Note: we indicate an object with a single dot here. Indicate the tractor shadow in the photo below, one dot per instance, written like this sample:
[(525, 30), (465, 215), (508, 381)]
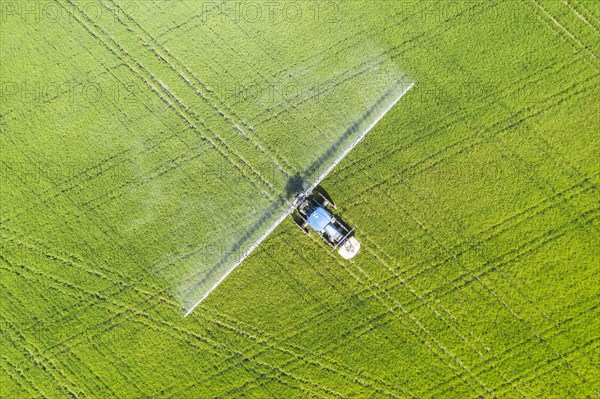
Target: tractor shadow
[(294, 186)]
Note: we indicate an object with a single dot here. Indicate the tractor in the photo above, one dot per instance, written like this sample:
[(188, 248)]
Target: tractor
[(312, 214)]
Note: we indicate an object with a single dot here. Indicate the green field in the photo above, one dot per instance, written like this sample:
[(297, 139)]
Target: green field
[(141, 139)]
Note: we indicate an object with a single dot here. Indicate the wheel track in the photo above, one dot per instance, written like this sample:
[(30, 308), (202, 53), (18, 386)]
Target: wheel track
[(294, 328), (170, 100), (360, 163), (490, 132), (83, 335), (578, 46), (487, 288), (581, 17), (494, 294), (33, 352), (202, 90)]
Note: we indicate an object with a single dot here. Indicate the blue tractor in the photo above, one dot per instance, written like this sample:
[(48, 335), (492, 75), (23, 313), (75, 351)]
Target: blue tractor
[(314, 215)]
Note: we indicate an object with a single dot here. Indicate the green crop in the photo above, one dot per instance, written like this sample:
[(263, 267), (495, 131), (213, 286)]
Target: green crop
[(140, 139)]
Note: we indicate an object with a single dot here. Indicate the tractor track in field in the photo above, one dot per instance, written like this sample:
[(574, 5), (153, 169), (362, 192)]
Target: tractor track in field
[(559, 199), (581, 17), (261, 380), (562, 30), (337, 315), (361, 163), (299, 353), (429, 294), (591, 15), (513, 221), (435, 291), (49, 366), (188, 116), (447, 356), (164, 328), (439, 316), (90, 294), (391, 53), (483, 256), (174, 63), (460, 249), (18, 377), (491, 131), (73, 360), (510, 384), (389, 291)]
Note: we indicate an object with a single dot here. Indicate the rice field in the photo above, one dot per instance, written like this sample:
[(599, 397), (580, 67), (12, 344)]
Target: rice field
[(145, 144)]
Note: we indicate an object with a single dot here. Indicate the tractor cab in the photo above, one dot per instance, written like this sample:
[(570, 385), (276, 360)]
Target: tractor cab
[(322, 222)]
